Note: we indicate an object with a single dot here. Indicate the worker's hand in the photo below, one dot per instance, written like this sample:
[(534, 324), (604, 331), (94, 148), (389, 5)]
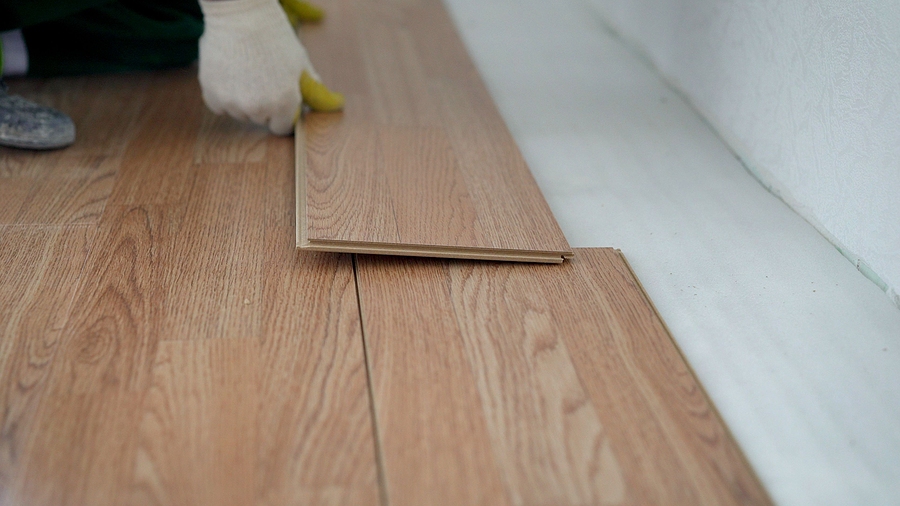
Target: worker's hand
[(251, 63)]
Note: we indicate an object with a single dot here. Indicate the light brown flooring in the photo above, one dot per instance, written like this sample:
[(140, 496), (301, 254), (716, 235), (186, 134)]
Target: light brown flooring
[(163, 342), (549, 385), (420, 161)]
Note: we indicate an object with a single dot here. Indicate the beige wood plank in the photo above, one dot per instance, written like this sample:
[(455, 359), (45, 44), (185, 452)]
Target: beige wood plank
[(212, 265), (544, 430), (406, 151), (563, 377), (205, 359), (419, 162), (223, 139), (41, 270), (350, 177), (57, 188), (158, 163), (278, 420), (315, 438), (196, 437), (278, 414), (397, 84), (244, 421), (434, 438), (424, 251), (82, 438)]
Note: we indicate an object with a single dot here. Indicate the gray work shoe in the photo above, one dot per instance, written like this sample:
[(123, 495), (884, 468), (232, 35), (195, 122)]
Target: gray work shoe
[(25, 124)]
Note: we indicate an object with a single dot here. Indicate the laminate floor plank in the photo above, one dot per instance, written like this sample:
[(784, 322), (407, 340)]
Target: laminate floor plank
[(419, 162), (199, 358), (82, 440), (158, 163), (407, 150), (315, 442), (221, 139), (351, 177), (56, 189), (545, 431), (42, 268), (559, 381), (213, 263), (434, 438), (196, 438)]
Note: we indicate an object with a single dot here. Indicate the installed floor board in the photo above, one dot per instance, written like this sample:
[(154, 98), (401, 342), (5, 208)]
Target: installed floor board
[(315, 438), (420, 162), (164, 342), (496, 383), (41, 269), (175, 347), (158, 163)]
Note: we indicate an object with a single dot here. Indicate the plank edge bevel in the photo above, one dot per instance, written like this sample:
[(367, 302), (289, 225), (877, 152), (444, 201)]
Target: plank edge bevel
[(300, 168), (554, 257)]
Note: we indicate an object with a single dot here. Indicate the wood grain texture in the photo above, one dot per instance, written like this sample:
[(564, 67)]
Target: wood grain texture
[(198, 357), (83, 436), (559, 383), (419, 162), (278, 419), (434, 439), (41, 270), (158, 162), (213, 262), (163, 341), (316, 444)]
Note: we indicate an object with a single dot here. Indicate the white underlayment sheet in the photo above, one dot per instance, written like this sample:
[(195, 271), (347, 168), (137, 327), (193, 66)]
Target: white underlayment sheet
[(799, 352)]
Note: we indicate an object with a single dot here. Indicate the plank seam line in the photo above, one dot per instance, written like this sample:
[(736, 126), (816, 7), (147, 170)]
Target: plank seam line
[(379, 454), (45, 226)]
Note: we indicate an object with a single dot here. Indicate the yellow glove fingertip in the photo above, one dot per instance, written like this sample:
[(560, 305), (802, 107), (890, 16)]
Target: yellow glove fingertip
[(302, 11), (318, 96)]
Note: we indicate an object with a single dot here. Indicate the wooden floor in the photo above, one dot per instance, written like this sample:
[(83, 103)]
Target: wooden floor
[(420, 162), (497, 383), (163, 342)]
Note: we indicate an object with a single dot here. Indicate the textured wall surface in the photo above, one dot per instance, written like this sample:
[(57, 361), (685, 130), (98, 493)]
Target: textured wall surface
[(807, 92)]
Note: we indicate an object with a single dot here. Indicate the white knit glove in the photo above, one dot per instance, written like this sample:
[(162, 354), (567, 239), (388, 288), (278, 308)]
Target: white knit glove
[(251, 61)]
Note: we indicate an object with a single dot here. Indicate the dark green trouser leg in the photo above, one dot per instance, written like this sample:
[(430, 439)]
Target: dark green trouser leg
[(70, 37)]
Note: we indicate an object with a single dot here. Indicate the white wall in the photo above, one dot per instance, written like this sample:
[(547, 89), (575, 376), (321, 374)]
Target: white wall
[(807, 92)]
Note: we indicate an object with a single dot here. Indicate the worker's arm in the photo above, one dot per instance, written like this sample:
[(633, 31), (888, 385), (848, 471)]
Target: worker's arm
[(251, 64)]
